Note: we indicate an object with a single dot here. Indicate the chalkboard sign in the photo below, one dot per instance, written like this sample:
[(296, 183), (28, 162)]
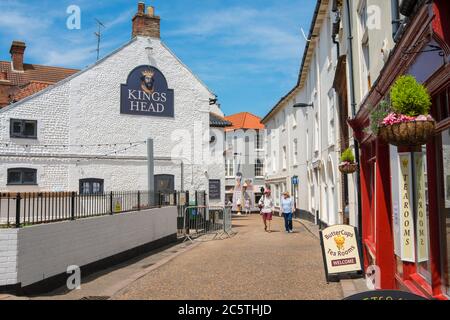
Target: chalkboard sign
[(214, 190)]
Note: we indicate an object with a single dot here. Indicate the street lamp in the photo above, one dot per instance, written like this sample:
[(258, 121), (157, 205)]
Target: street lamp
[(303, 105)]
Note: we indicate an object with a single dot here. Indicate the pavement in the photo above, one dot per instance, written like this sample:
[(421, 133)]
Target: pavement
[(252, 265), (104, 284)]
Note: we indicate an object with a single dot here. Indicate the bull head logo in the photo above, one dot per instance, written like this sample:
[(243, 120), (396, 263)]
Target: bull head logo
[(148, 81)]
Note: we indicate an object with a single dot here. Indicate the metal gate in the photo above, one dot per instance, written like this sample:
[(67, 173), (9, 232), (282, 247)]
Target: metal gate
[(203, 223)]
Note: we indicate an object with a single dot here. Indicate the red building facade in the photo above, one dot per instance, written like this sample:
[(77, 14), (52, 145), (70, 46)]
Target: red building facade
[(419, 264)]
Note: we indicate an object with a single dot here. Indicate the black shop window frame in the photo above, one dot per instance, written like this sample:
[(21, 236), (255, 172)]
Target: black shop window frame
[(91, 183), (22, 177), (23, 129)]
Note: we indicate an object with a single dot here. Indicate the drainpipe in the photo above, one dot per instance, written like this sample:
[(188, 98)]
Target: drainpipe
[(353, 104), (396, 21)]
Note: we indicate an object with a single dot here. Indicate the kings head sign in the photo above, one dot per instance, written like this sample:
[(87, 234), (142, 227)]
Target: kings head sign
[(146, 93)]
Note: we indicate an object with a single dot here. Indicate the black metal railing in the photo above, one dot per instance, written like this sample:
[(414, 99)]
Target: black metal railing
[(22, 209)]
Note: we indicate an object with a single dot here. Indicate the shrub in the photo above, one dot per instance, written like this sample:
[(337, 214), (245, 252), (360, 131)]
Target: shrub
[(410, 97), (377, 116), (347, 156)]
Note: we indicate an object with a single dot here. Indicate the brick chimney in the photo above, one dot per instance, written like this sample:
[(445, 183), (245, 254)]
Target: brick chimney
[(17, 51), (146, 24)]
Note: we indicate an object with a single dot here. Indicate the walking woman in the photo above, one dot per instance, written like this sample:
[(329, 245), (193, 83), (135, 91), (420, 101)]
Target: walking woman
[(287, 206), (266, 203)]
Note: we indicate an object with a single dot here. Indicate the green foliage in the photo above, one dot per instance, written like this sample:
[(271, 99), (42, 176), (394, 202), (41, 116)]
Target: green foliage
[(377, 116), (409, 97), (347, 156)]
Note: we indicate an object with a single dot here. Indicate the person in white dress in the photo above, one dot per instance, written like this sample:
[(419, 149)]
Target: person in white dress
[(267, 209)]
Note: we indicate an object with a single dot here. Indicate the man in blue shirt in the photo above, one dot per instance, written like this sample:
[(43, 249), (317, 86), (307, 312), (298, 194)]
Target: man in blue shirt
[(287, 207)]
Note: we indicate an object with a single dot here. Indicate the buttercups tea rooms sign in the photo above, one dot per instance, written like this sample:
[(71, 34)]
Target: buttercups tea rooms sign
[(146, 93), (340, 249)]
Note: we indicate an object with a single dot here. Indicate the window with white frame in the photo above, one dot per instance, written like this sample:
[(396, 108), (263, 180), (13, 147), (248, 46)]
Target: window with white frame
[(365, 53), (362, 13), (295, 152), (284, 158), (331, 120), (294, 118), (229, 167), (259, 138), (307, 143), (274, 163), (316, 133), (259, 168)]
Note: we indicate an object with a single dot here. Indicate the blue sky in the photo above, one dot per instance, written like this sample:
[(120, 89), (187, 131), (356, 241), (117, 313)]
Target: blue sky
[(247, 51)]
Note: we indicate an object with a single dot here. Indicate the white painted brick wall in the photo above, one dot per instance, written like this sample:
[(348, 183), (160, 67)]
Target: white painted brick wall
[(31, 254), (86, 110), (8, 257)]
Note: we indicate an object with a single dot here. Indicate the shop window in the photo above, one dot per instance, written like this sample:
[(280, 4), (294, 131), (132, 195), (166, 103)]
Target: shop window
[(22, 176), (23, 129), (444, 205), (411, 209), (421, 215), (91, 186)]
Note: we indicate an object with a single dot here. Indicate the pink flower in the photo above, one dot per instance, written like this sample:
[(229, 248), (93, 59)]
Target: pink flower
[(393, 118), (422, 118)]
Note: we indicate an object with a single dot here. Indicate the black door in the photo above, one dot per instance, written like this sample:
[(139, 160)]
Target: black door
[(164, 183), (164, 187)]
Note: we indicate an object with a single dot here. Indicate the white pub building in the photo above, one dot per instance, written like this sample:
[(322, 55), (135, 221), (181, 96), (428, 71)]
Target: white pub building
[(89, 132)]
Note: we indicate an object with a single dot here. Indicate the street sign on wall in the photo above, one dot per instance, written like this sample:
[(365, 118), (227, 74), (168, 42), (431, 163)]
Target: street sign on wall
[(146, 93), (341, 250)]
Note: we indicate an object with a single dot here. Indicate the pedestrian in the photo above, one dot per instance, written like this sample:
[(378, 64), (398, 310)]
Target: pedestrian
[(247, 206), (266, 203), (287, 207), (239, 206)]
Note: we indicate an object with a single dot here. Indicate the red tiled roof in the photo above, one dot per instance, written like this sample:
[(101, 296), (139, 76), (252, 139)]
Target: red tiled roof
[(28, 90), (33, 79), (244, 120), (34, 72)]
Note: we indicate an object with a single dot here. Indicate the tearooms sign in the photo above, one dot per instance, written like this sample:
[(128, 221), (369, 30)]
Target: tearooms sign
[(146, 93), (340, 249)]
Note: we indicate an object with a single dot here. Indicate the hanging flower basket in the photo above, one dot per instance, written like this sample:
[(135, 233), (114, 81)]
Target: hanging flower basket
[(348, 168), (408, 133)]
